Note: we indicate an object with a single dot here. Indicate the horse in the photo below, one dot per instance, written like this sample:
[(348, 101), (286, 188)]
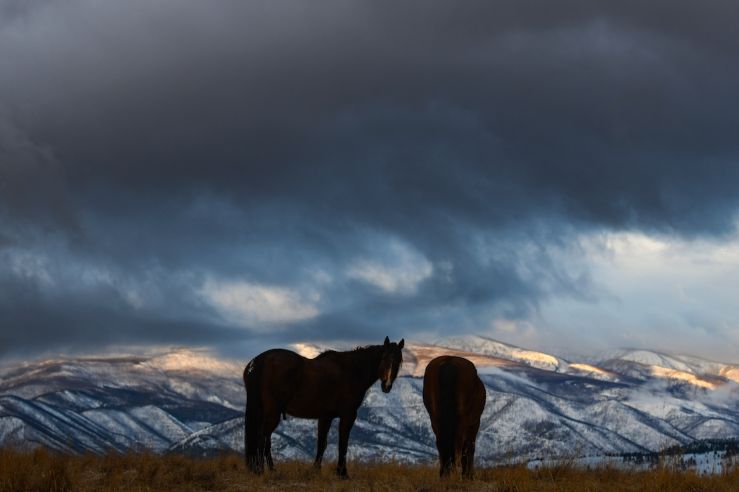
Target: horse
[(454, 397), (331, 385)]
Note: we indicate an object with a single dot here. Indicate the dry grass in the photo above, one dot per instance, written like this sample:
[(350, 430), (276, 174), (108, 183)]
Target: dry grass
[(42, 470)]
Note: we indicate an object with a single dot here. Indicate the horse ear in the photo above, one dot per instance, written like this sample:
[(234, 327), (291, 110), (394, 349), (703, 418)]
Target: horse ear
[(401, 343), (387, 341)]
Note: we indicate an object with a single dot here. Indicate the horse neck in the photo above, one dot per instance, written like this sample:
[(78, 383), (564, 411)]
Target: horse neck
[(364, 362)]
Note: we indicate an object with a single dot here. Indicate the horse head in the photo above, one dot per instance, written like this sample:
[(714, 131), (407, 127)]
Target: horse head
[(392, 358)]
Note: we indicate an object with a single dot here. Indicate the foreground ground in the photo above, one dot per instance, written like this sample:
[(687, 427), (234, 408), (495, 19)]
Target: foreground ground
[(44, 471)]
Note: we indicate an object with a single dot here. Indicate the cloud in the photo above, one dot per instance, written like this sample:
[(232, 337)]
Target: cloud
[(399, 272), (440, 167), (389, 279), (523, 331), (252, 305), (660, 292), (32, 185)]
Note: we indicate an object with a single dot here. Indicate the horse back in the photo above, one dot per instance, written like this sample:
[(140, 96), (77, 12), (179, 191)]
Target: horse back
[(326, 389), (277, 369), (450, 380), (302, 387)]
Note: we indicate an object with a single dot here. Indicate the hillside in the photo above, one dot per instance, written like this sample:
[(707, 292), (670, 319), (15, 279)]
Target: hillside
[(538, 406)]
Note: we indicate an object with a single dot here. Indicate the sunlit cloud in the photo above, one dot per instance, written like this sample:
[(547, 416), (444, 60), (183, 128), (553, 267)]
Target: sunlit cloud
[(257, 306), (400, 271), (656, 291)]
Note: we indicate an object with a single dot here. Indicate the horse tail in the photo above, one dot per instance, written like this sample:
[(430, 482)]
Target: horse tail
[(447, 415), (254, 415)]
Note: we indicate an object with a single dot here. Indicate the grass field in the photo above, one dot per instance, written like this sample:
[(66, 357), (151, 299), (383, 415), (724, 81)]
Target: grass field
[(45, 471)]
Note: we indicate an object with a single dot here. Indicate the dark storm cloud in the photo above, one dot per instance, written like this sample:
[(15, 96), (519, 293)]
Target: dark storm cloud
[(264, 142), (100, 319)]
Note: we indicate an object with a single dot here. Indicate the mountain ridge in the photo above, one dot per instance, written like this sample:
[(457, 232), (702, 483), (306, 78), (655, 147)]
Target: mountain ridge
[(538, 405)]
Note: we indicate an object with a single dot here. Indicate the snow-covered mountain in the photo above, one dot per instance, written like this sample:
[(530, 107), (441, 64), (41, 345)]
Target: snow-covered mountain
[(96, 404), (538, 405)]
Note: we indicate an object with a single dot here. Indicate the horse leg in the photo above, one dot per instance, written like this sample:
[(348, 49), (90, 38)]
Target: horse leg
[(324, 424), (268, 452), (271, 420), (468, 451), (459, 441), (439, 447), (446, 462), (443, 458), (468, 459), (345, 427)]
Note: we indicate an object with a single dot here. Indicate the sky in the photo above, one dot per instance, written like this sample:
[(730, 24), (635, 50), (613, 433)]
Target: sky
[(239, 175)]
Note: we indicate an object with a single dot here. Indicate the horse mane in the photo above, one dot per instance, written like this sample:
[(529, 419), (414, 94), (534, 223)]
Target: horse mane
[(358, 350)]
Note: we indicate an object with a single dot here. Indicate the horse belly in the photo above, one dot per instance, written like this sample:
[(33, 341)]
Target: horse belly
[(312, 405)]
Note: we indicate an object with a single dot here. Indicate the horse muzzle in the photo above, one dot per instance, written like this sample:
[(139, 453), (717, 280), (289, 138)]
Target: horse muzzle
[(386, 387)]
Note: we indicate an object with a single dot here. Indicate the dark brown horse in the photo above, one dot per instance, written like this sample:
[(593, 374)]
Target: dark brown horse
[(332, 385), (454, 397)]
